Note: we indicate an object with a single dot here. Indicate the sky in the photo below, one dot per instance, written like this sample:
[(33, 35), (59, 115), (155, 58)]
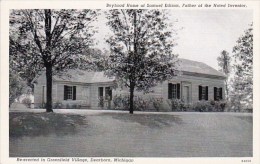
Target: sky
[(202, 34)]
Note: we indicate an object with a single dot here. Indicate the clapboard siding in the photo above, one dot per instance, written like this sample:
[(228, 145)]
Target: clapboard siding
[(161, 90), (91, 99)]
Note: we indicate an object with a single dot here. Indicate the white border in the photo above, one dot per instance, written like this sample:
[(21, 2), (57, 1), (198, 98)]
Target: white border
[(4, 90)]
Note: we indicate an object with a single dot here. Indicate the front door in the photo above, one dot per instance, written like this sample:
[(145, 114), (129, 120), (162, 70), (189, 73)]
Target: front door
[(86, 96), (186, 96)]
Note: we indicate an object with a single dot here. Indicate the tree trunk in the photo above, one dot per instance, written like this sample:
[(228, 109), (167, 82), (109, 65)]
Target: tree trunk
[(49, 88), (132, 85), (131, 100)]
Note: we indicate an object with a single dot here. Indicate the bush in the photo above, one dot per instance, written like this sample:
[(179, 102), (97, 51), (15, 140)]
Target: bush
[(42, 106), (177, 104), (202, 106), (121, 102), (248, 110), (219, 106), (101, 101), (27, 102), (57, 105), (209, 106), (157, 102), (141, 104), (74, 106), (68, 106), (78, 106)]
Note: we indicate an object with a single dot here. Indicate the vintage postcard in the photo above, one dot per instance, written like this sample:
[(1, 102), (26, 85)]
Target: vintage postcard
[(130, 81)]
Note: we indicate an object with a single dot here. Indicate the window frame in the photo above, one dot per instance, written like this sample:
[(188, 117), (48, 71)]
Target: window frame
[(218, 93), (69, 92), (174, 90), (203, 93)]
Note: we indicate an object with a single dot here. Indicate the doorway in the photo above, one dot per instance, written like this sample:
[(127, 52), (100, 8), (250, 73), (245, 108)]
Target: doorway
[(186, 94)]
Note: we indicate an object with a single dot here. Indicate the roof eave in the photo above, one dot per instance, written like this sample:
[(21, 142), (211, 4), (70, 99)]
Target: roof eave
[(204, 75)]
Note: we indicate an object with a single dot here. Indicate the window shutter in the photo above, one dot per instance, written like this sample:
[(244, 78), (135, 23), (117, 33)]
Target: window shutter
[(207, 95), (170, 91), (220, 94), (215, 93), (65, 92), (200, 92), (178, 91), (74, 92)]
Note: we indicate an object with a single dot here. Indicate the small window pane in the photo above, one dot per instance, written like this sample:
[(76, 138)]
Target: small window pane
[(69, 92)]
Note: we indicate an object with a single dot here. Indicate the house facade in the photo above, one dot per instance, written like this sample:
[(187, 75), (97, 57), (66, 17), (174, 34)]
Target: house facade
[(81, 89)]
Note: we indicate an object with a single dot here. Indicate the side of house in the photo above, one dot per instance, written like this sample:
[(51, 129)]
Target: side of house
[(70, 92), (82, 89), (188, 88)]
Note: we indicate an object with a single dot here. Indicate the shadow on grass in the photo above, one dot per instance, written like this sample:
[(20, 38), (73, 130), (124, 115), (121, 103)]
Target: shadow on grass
[(36, 124), (150, 120)]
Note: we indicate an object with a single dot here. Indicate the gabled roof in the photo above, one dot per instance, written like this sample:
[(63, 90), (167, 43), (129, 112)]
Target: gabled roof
[(188, 67), (198, 68)]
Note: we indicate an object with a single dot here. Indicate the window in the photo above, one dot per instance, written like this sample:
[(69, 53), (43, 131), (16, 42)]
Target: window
[(108, 93), (217, 94), (100, 91), (100, 96), (203, 92), (173, 91), (69, 92)]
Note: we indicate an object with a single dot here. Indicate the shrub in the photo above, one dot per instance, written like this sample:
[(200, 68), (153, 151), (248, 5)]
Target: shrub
[(141, 104), (209, 106), (68, 106), (117, 102), (42, 106), (57, 105), (248, 110), (121, 102), (78, 106), (101, 101), (27, 102), (219, 106), (157, 102), (202, 106), (177, 104), (74, 106)]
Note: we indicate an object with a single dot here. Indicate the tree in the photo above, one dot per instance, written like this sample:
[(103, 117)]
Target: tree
[(53, 40), (224, 63), (16, 86), (243, 78), (99, 59), (141, 49)]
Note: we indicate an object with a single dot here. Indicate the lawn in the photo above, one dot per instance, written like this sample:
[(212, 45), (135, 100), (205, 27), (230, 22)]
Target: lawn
[(109, 134)]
